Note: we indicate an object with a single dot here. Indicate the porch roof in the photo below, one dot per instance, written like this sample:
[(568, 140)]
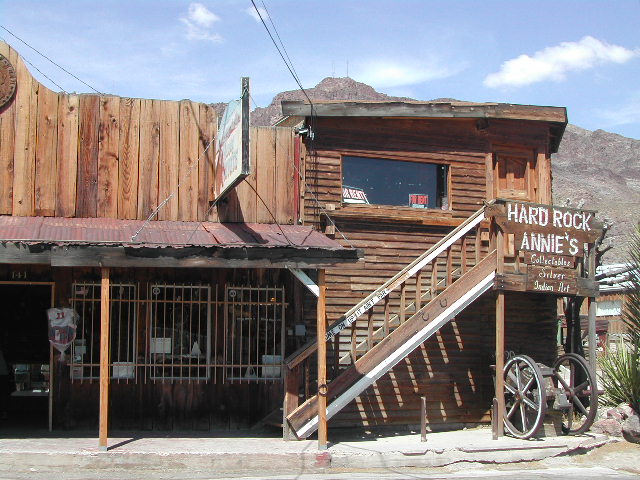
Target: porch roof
[(114, 242)]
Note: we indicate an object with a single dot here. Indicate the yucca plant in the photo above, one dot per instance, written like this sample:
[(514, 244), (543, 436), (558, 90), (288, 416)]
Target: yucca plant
[(620, 375)]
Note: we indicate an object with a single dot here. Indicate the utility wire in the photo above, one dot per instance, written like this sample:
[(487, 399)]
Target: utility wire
[(44, 75), (47, 58), (289, 64)]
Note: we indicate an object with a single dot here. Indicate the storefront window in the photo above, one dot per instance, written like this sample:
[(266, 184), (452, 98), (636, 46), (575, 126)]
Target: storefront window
[(380, 181)]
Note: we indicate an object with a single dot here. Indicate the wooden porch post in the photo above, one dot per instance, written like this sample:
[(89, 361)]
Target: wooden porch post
[(104, 359), (591, 331), (321, 320), (499, 414)]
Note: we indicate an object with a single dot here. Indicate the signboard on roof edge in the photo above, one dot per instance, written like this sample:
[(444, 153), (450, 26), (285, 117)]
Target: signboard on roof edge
[(232, 144)]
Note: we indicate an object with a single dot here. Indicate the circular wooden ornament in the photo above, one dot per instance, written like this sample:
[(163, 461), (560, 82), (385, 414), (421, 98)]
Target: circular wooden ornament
[(8, 81)]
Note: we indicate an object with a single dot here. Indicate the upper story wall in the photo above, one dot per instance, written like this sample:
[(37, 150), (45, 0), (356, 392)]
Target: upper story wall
[(482, 160), (107, 156)]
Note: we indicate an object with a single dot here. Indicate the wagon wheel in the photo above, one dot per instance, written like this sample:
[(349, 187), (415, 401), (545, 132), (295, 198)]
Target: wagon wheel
[(525, 404), (572, 374)]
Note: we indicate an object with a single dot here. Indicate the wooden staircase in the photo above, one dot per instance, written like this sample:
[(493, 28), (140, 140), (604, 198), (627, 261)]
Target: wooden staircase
[(448, 287)]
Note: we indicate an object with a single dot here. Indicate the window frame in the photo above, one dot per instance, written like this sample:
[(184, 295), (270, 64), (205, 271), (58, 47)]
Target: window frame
[(400, 158)]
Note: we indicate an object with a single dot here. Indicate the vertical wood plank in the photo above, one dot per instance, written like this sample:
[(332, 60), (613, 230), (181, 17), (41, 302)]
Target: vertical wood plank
[(370, 329), (128, 154), (7, 142), (68, 120), (463, 254), (284, 177), (188, 161), (387, 315), (169, 158), (544, 184), (247, 189), (46, 153), (25, 141), (108, 156), (208, 126), (87, 186), (418, 301), (291, 400), (403, 302), (321, 321), (148, 167), (449, 266), (499, 427), (265, 174), (105, 309), (490, 173)]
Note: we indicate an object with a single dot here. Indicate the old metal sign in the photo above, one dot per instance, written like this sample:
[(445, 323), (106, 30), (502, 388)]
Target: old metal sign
[(559, 281)]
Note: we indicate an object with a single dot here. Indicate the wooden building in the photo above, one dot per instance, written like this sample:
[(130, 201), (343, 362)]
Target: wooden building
[(210, 325)]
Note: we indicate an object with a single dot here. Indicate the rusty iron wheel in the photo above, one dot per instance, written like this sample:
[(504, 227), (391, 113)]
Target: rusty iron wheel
[(572, 374), (525, 400)]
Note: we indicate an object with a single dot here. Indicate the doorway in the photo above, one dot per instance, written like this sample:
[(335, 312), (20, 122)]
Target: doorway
[(25, 399)]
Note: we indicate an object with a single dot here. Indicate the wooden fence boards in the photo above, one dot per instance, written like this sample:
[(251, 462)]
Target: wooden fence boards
[(46, 151), (128, 158), (169, 155), (149, 160), (188, 163), (7, 143), (207, 130), (26, 102), (108, 156), (87, 184), (68, 107)]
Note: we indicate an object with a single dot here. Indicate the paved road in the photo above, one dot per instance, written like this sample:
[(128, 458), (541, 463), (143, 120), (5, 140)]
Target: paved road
[(570, 473)]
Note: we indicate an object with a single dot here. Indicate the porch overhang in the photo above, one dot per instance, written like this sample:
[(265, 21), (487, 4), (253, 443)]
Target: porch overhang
[(101, 242)]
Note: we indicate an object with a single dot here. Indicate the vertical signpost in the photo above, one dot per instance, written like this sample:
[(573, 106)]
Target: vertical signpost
[(232, 145)]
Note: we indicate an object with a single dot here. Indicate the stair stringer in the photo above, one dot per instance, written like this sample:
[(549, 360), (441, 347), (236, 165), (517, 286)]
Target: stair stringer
[(467, 297)]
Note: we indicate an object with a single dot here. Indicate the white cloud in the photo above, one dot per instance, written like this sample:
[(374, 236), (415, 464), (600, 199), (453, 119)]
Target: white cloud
[(199, 21), (385, 73), (553, 63), (263, 13)]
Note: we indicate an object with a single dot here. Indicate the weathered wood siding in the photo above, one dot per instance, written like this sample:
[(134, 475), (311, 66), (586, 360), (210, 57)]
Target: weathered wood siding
[(453, 367), (107, 156)]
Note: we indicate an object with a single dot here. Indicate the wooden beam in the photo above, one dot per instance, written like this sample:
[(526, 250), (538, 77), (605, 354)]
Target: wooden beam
[(322, 362), (306, 281), (499, 394), (104, 359)]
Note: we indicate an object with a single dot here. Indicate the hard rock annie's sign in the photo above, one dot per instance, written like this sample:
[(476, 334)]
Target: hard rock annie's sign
[(550, 240)]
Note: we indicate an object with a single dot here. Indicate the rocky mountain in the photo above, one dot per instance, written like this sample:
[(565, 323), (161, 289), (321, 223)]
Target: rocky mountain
[(599, 168)]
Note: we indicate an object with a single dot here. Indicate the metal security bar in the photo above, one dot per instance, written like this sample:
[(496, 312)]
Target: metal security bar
[(85, 350), (179, 339), (254, 340)]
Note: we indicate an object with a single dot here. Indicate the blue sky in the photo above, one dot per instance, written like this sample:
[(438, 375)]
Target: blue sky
[(584, 55)]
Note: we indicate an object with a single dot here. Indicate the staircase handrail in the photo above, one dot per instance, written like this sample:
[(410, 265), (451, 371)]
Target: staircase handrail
[(385, 289)]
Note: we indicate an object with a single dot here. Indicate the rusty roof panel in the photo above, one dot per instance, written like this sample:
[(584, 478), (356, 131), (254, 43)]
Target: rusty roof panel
[(168, 234)]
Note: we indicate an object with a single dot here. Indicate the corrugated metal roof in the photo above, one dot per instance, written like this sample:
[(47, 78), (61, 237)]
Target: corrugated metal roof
[(167, 234)]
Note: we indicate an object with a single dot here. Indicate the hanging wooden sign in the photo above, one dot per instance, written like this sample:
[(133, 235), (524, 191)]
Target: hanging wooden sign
[(559, 281), (549, 260)]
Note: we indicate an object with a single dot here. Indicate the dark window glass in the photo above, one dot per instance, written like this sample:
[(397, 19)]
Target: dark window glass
[(391, 182)]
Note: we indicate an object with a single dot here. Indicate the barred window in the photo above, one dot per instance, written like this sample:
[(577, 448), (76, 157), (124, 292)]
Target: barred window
[(85, 350), (179, 339), (255, 333)]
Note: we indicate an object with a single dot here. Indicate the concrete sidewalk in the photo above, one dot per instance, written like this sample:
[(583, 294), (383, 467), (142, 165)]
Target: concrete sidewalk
[(47, 454)]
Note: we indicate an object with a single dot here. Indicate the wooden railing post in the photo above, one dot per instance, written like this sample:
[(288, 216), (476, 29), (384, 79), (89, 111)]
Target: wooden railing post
[(105, 309), (321, 320), (499, 417), (291, 398)]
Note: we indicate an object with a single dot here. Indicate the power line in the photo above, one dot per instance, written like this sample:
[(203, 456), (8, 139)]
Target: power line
[(51, 61), (289, 64)]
